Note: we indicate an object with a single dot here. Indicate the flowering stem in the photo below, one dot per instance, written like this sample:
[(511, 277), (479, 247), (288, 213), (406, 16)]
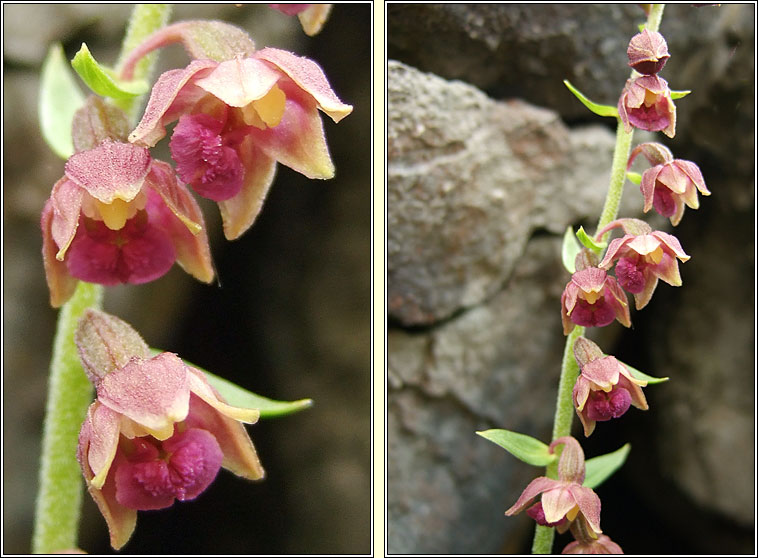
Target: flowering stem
[(69, 395), (144, 21), (564, 407), (69, 391)]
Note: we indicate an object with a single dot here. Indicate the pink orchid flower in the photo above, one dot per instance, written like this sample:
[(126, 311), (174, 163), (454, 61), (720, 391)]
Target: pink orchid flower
[(312, 16), (157, 432), (643, 256), (564, 500), (237, 119), (602, 545), (670, 184), (118, 216), (593, 299), (646, 103), (647, 52), (605, 388)]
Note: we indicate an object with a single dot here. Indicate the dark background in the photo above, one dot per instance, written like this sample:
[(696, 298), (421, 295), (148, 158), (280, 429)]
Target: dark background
[(289, 319)]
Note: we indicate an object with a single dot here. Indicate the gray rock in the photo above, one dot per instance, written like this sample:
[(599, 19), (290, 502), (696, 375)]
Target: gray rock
[(488, 368), (469, 180)]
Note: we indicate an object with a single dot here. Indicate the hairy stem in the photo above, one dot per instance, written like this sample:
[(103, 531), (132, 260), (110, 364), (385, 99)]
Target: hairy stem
[(144, 21), (564, 407), (69, 394)]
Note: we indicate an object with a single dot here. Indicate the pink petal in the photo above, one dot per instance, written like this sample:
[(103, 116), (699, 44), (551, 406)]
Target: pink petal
[(239, 81), (590, 279), (589, 505), (644, 244), (647, 186), (694, 174), (199, 385), (614, 247), (120, 519), (138, 253), (672, 243), (533, 489), (98, 442), (239, 212), (580, 393), (602, 371), (617, 300), (309, 77), (172, 95), (202, 160), (66, 204), (289, 9), (638, 397), (240, 456), (154, 393), (111, 170), (150, 482), (558, 502), (673, 178), (298, 140), (180, 217), (668, 270), (642, 298), (59, 281)]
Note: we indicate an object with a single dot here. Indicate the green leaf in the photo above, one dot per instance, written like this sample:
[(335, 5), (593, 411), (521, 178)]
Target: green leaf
[(642, 376), (240, 397), (569, 250), (601, 467), (59, 99), (680, 94), (527, 449), (589, 242), (601, 110), (101, 79), (634, 177)]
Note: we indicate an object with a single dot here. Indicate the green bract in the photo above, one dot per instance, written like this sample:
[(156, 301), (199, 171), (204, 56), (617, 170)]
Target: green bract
[(603, 466), (634, 177), (679, 94), (59, 99), (527, 449), (601, 110), (642, 376), (101, 79), (589, 243)]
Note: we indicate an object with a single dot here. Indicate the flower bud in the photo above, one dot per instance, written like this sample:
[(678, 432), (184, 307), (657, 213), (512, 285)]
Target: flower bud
[(647, 52)]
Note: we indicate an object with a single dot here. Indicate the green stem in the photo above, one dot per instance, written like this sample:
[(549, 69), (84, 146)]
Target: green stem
[(69, 391), (144, 21), (564, 407), (69, 395)]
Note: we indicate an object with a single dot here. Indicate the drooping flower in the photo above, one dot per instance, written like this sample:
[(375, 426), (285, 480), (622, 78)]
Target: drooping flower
[(642, 256), (312, 16), (119, 216), (602, 545), (157, 432), (647, 52), (646, 103), (238, 117), (565, 500), (670, 184), (593, 299), (605, 388)]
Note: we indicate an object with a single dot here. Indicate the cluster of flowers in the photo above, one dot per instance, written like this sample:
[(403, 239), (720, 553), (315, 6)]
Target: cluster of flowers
[(158, 431), (605, 388), (120, 216)]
